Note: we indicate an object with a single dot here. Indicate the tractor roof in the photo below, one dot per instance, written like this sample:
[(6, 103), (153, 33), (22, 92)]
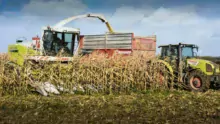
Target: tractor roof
[(189, 45)]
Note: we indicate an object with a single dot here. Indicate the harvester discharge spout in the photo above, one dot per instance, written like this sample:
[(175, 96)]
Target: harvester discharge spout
[(100, 17)]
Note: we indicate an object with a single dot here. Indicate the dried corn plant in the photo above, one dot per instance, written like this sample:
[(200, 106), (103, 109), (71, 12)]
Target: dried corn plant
[(93, 74), (3, 58)]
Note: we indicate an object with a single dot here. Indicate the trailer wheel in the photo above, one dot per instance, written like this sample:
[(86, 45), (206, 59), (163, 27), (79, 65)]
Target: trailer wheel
[(197, 81)]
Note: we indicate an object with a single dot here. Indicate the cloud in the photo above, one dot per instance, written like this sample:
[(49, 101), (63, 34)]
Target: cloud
[(170, 25), (33, 16), (54, 8)]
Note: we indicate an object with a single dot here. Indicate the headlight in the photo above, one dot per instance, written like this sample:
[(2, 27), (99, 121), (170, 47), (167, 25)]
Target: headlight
[(209, 68)]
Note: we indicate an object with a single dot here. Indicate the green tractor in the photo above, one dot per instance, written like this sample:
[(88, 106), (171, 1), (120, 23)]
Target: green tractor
[(187, 69)]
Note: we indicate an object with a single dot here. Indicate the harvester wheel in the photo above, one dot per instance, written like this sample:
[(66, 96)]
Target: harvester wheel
[(197, 81)]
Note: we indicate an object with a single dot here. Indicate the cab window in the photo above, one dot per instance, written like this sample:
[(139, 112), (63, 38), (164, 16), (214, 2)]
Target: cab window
[(187, 52)]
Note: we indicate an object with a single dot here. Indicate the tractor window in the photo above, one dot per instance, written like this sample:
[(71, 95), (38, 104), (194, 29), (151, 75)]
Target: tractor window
[(187, 52), (173, 51), (165, 51)]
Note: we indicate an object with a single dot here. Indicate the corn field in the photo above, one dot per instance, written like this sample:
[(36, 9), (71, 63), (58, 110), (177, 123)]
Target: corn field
[(118, 75), (143, 98)]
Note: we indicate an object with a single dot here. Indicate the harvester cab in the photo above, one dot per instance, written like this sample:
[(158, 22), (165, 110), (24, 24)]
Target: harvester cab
[(197, 74), (62, 39)]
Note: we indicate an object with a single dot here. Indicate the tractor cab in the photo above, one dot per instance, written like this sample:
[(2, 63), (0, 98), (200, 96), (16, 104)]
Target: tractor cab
[(179, 51), (177, 55), (62, 39)]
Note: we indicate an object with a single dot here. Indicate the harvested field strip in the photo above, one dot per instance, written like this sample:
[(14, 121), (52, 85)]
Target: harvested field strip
[(151, 107)]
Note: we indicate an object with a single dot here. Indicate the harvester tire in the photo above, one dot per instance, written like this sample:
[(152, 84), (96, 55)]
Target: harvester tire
[(197, 81)]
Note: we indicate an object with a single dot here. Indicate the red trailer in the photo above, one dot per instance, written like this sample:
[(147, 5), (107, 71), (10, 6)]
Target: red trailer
[(118, 43)]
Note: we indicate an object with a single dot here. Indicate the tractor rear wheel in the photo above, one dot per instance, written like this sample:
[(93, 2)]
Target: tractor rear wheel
[(197, 81)]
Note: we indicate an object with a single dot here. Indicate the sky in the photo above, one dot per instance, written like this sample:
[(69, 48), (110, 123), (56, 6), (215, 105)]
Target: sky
[(172, 21)]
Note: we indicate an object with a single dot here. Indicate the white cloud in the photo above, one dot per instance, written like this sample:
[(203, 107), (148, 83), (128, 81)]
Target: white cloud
[(54, 7), (171, 25), (34, 16), (128, 15)]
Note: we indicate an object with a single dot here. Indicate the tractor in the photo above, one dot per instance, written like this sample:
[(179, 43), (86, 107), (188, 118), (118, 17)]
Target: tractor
[(182, 61)]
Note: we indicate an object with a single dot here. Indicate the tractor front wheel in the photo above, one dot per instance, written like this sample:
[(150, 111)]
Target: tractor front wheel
[(198, 81)]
